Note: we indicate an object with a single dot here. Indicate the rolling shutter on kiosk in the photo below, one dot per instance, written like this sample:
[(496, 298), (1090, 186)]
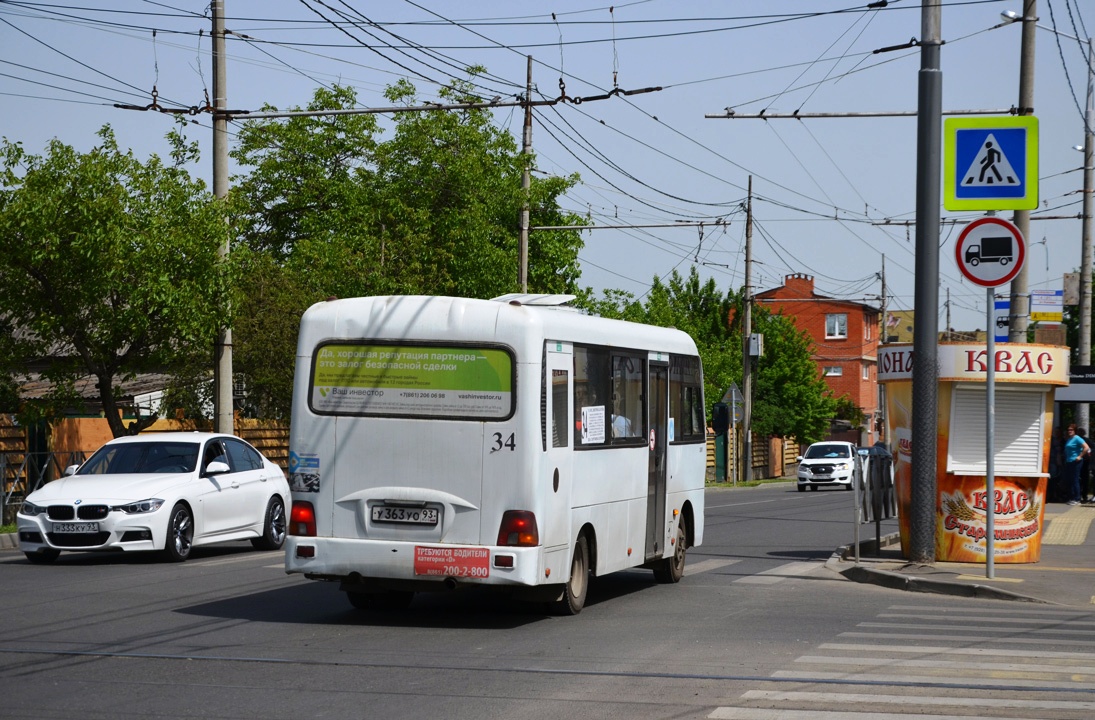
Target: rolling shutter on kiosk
[(1018, 437)]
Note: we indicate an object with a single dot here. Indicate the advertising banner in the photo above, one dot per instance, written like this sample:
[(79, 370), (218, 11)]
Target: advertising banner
[(405, 380)]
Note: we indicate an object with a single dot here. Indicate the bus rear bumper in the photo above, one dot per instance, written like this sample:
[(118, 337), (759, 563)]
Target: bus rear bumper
[(422, 565)]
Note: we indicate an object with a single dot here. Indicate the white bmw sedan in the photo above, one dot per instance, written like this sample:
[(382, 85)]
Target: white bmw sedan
[(167, 492)]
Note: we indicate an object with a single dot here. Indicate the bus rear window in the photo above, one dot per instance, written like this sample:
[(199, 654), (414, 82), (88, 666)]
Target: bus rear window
[(416, 381)]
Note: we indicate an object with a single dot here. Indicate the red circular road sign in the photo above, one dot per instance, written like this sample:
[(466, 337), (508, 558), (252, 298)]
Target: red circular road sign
[(990, 252)]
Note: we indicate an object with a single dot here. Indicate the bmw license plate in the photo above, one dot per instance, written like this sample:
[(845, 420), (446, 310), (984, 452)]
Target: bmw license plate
[(404, 514), (80, 527)]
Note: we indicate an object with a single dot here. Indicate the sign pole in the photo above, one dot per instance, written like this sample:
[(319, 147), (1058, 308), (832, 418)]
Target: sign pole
[(990, 252), (990, 436)]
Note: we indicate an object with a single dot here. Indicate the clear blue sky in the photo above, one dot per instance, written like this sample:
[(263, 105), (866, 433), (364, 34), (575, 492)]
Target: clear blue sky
[(821, 187)]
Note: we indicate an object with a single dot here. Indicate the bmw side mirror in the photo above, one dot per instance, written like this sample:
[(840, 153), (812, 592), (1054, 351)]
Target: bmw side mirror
[(217, 468)]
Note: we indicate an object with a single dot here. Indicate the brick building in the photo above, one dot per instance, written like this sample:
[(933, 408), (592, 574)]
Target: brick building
[(845, 337)]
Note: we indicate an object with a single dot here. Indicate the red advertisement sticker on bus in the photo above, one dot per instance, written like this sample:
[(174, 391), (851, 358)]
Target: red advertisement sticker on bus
[(451, 561)]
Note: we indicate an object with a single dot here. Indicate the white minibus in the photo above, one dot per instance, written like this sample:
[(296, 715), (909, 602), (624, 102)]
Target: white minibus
[(441, 442)]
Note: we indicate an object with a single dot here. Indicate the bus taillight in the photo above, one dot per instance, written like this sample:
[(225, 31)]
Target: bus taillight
[(518, 529), (302, 519)]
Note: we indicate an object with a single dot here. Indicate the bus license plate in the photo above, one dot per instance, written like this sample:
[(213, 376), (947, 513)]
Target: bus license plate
[(401, 514), (87, 527)]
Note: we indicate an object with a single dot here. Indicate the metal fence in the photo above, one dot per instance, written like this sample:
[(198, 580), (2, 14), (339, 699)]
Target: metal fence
[(23, 473)]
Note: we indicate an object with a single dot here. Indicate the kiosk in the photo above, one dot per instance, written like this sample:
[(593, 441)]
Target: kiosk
[(1026, 377)]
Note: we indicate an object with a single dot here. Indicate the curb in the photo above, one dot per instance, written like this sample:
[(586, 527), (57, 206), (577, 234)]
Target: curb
[(9, 541), (912, 583)]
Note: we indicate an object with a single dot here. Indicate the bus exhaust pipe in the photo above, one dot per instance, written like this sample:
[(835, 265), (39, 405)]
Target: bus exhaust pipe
[(450, 583)]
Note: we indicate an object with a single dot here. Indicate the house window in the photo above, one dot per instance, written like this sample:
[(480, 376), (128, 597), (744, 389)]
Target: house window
[(867, 328), (836, 325), (832, 371), (866, 371)]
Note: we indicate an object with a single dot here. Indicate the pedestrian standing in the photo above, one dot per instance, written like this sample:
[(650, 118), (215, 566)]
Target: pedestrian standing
[(1075, 452), (1085, 470)]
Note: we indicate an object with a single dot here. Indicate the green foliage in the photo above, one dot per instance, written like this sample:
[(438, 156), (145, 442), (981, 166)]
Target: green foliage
[(789, 399), (846, 409), (329, 207), (108, 265)]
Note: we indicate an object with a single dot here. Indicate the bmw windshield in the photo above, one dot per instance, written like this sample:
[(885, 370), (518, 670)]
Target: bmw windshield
[(143, 457)]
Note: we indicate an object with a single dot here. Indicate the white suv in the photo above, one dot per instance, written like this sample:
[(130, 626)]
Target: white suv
[(827, 463)]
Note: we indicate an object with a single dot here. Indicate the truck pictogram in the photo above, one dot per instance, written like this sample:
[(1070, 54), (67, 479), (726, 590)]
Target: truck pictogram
[(997, 248)]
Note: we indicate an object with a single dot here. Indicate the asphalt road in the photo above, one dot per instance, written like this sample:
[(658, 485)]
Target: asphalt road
[(757, 629)]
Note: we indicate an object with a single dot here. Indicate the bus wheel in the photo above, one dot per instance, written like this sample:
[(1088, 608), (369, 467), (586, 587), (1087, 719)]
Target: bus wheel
[(671, 569), (574, 592), (386, 601)]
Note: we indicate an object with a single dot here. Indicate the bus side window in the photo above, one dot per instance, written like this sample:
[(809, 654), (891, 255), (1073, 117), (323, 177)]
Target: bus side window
[(560, 434), (592, 391), (627, 396)]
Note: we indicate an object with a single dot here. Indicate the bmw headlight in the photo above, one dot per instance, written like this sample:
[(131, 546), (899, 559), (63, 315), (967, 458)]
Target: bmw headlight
[(141, 506), (32, 509)]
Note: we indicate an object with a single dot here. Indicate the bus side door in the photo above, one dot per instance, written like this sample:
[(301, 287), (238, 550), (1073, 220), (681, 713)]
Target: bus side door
[(657, 393), (556, 475)]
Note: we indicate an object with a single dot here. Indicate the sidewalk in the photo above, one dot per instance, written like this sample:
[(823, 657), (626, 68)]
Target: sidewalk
[(1065, 574)]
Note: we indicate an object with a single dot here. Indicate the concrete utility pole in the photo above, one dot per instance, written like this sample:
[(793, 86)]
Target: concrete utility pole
[(747, 359), (926, 303), (222, 372), (1020, 292), (1083, 411), (526, 183)]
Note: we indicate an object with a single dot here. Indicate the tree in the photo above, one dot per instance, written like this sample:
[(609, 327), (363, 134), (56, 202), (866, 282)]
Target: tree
[(330, 207), (789, 398), (109, 265)]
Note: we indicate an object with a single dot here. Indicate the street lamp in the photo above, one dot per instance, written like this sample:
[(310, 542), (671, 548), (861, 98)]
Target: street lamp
[(1082, 416)]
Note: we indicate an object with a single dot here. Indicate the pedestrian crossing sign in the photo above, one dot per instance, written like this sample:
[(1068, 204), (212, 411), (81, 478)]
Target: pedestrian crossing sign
[(990, 163)]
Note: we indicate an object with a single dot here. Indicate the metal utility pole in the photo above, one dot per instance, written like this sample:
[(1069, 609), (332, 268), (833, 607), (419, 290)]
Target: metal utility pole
[(885, 318), (1082, 414), (1020, 292), (746, 358), (526, 183), (880, 413), (926, 303), (222, 372), (949, 314)]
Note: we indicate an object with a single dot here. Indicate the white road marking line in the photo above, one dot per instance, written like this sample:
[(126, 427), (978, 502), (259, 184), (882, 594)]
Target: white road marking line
[(728, 713), (709, 565), (877, 699), (778, 574)]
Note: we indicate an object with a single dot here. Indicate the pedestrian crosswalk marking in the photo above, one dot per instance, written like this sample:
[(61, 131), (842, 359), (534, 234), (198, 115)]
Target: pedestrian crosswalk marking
[(709, 565), (998, 680), (880, 699), (1025, 667), (778, 574), (944, 650), (764, 714), (1001, 671)]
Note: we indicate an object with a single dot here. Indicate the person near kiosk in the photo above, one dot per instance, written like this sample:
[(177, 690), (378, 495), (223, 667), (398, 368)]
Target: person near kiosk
[(1076, 449)]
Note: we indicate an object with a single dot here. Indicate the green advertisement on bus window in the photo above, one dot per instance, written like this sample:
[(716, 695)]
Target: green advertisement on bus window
[(412, 380)]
